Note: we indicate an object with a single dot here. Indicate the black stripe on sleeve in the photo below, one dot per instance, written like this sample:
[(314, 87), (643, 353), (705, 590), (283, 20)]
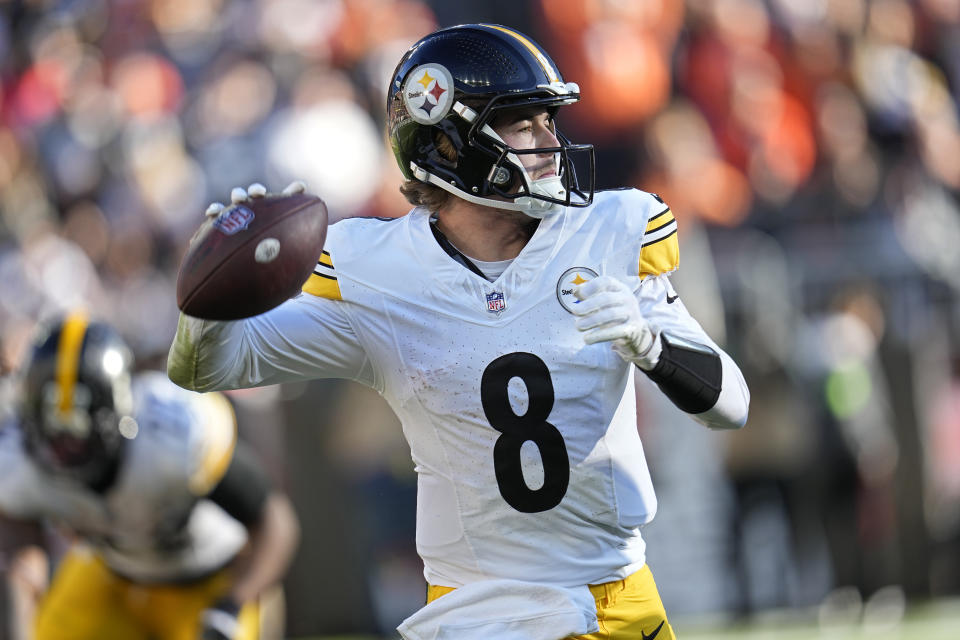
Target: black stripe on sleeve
[(662, 213), (659, 239)]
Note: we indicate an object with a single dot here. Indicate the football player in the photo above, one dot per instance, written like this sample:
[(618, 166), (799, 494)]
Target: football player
[(504, 320), (177, 529)]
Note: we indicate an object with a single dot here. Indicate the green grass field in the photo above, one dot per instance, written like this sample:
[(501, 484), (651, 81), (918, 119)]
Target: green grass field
[(933, 621)]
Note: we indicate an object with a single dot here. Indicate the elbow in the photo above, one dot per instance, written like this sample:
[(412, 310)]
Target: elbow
[(730, 412), (742, 421), (187, 368), (729, 424), (182, 371), (178, 376), (733, 405), (183, 354), (735, 416)]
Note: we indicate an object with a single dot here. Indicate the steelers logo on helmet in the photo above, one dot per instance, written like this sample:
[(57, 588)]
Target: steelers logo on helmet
[(428, 93), (570, 280)]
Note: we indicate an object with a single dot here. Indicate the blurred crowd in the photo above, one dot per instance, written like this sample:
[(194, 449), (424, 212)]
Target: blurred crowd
[(810, 150)]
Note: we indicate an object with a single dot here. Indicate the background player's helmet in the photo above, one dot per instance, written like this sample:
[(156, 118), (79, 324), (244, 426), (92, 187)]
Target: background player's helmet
[(76, 391), (452, 84)]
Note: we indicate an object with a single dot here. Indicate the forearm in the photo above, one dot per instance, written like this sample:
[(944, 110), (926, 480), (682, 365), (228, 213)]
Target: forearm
[(213, 355), (733, 404), (273, 541), (701, 380), (303, 338)]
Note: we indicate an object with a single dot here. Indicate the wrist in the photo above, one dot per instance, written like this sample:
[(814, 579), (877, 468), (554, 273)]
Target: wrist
[(643, 351), (648, 358)]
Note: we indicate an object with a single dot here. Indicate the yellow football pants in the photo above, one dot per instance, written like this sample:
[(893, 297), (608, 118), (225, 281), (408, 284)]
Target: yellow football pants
[(628, 609), (87, 601)]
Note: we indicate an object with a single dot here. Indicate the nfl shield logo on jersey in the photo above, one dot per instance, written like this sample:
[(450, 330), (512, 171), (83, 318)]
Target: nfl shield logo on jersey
[(495, 302)]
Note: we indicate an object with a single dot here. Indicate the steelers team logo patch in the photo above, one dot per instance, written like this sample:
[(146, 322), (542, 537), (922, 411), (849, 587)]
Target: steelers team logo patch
[(428, 93), (571, 279)]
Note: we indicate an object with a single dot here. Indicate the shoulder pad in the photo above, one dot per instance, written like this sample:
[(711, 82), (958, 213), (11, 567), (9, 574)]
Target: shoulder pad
[(189, 434), (217, 442), (355, 243)]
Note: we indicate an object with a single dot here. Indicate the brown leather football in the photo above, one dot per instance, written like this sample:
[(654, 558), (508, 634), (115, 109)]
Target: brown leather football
[(252, 256)]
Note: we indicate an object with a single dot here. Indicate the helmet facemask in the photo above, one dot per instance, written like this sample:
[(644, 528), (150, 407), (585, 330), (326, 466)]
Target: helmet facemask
[(505, 182)]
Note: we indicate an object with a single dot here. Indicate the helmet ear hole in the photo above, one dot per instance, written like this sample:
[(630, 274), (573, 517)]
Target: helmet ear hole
[(445, 146), (501, 176)]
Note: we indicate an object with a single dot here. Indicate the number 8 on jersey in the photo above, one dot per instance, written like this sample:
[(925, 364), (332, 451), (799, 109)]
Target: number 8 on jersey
[(515, 430)]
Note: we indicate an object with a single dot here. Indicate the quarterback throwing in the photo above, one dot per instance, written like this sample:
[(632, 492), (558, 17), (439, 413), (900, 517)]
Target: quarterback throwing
[(504, 319)]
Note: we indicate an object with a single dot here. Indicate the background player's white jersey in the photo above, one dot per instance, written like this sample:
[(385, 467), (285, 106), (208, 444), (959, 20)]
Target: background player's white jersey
[(524, 438), (150, 525)]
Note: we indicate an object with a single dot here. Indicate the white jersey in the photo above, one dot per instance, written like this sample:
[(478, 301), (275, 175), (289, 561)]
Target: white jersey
[(151, 525), (523, 437)]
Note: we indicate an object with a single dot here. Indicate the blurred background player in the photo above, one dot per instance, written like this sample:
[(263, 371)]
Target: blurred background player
[(504, 320), (178, 533)]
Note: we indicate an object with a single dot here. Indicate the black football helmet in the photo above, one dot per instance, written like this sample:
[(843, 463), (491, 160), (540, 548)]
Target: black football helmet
[(76, 391), (454, 82)]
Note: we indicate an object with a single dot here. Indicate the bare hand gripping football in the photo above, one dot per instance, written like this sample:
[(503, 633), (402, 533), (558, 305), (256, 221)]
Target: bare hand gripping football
[(251, 255)]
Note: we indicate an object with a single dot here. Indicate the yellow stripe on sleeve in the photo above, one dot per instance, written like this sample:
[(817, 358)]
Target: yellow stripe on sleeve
[(73, 330), (659, 221), (662, 257), (661, 251), (220, 441), (323, 281), (322, 287)]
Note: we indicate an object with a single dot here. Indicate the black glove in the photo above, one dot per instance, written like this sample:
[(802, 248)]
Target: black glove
[(220, 622)]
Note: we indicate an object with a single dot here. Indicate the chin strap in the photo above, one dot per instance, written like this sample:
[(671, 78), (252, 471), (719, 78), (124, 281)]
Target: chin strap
[(533, 207)]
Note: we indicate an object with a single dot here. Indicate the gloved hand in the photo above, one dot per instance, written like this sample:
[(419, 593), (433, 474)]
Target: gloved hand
[(255, 190), (220, 622), (609, 312)]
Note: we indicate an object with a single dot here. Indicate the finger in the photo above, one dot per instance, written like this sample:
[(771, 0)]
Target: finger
[(214, 209), (297, 186), (603, 317), (601, 283), (256, 190), (605, 334), (601, 300), (238, 194)]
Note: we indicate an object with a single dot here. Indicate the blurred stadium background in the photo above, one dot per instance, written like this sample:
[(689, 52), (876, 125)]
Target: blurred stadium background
[(809, 148)]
